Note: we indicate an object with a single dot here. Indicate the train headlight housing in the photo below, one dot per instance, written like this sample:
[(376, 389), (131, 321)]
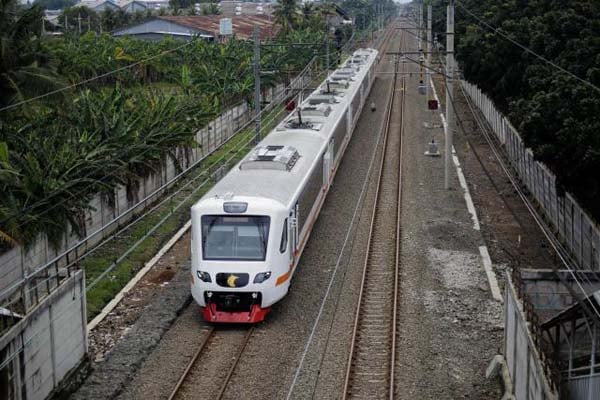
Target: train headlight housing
[(262, 276), (204, 276)]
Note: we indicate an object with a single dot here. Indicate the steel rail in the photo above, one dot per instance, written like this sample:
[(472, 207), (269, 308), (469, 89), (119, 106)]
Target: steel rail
[(234, 364), (397, 256), (191, 364), (197, 355), (349, 366)]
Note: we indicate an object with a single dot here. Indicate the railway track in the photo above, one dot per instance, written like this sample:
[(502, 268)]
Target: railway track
[(371, 362), (220, 346)]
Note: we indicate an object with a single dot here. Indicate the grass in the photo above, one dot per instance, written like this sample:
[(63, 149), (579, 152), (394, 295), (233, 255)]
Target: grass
[(102, 258)]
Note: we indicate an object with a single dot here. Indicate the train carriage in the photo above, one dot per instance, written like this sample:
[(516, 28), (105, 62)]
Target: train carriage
[(249, 230)]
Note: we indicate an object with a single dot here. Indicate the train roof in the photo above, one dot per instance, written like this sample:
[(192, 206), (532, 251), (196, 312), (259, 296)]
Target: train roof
[(278, 166)]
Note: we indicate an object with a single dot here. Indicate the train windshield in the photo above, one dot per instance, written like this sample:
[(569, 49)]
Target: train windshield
[(236, 237)]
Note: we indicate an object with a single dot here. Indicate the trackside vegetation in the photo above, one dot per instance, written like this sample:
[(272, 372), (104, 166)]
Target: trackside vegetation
[(57, 152), (557, 114)]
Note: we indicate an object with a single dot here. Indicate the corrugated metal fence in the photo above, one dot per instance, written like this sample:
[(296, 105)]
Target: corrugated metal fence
[(579, 387), (522, 357), (575, 229)]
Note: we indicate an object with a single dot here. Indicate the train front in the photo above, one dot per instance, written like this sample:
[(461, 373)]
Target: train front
[(240, 263)]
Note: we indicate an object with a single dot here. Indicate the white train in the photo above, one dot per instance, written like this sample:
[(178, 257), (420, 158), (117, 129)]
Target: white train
[(249, 230)]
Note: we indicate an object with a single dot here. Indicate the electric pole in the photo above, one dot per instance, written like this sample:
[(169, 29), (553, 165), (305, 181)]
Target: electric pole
[(420, 25), (449, 86), (429, 49), (257, 82), (79, 22), (327, 43)]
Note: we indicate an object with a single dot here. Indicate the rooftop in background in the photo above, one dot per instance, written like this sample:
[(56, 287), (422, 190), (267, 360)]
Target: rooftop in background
[(206, 26)]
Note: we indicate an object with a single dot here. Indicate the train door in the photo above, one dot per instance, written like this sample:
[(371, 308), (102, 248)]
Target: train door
[(327, 163), (294, 231), (349, 121)]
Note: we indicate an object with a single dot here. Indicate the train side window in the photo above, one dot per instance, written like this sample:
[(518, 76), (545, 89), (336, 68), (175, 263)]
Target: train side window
[(284, 237)]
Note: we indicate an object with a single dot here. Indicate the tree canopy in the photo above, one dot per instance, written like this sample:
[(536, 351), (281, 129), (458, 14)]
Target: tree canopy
[(135, 110), (557, 114)]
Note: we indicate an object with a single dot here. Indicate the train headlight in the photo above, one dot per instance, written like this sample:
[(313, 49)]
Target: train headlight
[(262, 276), (204, 276)]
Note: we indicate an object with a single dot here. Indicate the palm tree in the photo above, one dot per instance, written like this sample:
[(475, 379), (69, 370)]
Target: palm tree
[(24, 69), (286, 14)]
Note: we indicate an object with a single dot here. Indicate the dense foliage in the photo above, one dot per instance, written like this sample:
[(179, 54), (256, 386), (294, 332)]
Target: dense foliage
[(60, 151), (557, 114)]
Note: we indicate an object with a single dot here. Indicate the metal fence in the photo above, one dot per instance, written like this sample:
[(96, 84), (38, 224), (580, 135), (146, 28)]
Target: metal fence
[(574, 227), (524, 362)]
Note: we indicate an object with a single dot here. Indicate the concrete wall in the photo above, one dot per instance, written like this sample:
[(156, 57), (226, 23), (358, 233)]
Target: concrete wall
[(522, 358), (575, 228), (41, 349)]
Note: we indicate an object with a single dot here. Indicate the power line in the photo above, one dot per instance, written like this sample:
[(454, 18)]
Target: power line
[(527, 49)]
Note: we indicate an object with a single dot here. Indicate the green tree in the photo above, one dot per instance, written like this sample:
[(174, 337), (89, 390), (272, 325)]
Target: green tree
[(286, 14), (25, 71), (556, 114)]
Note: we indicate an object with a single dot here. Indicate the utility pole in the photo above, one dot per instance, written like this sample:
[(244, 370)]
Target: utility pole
[(89, 24), (257, 82), (327, 43), (43, 25), (449, 86), (79, 22), (429, 49), (420, 31)]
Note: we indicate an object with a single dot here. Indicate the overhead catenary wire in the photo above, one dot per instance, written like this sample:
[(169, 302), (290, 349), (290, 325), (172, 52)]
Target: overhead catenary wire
[(525, 48)]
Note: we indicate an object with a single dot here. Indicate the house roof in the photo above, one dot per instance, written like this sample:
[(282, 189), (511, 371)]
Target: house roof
[(138, 2), (96, 4), (577, 310), (243, 26)]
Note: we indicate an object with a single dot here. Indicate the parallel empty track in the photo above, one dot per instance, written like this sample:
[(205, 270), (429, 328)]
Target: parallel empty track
[(370, 368)]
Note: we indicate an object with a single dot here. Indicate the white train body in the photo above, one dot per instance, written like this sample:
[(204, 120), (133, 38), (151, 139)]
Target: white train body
[(249, 230)]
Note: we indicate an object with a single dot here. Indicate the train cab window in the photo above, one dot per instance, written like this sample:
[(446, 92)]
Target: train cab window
[(235, 237), (284, 238)]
